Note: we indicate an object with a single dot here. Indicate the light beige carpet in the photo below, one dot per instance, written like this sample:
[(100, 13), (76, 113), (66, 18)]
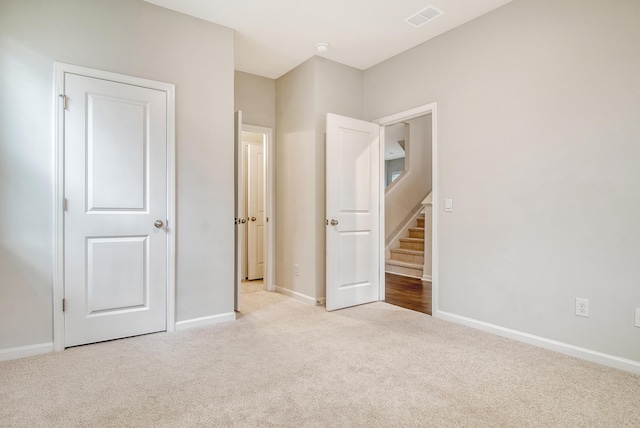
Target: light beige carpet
[(283, 363)]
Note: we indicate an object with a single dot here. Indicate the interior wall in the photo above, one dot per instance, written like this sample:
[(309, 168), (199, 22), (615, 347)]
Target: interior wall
[(256, 97), (405, 197), (538, 131), (304, 96), (295, 180), (133, 38), (339, 90)]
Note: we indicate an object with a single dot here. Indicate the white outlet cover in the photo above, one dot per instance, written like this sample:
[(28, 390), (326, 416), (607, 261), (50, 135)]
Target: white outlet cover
[(582, 307), (637, 324)]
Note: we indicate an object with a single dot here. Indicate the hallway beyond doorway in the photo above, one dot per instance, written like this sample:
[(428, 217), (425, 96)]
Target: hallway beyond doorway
[(407, 292)]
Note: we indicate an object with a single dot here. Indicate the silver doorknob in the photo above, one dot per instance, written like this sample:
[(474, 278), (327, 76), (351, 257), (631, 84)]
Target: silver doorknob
[(243, 221), (158, 224), (253, 219), (334, 222)]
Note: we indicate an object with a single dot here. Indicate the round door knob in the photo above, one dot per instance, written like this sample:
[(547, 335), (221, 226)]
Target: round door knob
[(243, 221), (253, 219), (158, 224), (334, 222)]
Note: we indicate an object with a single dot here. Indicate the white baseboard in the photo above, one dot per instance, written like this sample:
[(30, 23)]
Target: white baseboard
[(25, 351), (427, 278), (202, 321), (297, 296), (402, 274), (542, 342)]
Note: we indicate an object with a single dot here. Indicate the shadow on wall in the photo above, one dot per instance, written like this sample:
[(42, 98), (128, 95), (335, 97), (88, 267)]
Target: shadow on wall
[(26, 234)]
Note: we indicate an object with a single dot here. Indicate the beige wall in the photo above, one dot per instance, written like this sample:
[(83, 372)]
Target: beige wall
[(538, 145), (303, 98), (256, 97), (295, 180), (339, 90), (138, 39), (404, 198)]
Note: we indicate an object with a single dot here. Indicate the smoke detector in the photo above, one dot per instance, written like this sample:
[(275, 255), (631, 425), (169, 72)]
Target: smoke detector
[(322, 47), (427, 14)]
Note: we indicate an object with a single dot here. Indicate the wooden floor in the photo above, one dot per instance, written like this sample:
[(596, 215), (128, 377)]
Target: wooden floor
[(410, 293)]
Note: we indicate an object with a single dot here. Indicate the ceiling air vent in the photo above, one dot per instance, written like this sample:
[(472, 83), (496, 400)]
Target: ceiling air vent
[(427, 14)]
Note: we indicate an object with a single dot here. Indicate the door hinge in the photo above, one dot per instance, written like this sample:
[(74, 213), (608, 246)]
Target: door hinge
[(64, 204), (64, 101), (64, 305)]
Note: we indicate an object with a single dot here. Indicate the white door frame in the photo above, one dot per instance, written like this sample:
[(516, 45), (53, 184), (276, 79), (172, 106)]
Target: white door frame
[(269, 200), (60, 69), (390, 120)]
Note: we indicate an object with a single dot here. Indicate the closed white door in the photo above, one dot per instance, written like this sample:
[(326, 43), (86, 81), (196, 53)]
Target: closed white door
[(255, 210), (353, 212), (115, 186)]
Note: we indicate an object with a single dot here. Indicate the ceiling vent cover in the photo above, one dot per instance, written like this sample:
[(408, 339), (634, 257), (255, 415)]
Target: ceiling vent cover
[(427, 14)]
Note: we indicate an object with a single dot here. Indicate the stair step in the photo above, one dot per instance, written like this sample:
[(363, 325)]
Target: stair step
[(412, 243), (416, 232), (421, 221), (403, 268), (404, 255)]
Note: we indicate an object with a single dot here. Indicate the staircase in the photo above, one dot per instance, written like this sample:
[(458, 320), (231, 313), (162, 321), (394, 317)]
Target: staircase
[(408, 260)]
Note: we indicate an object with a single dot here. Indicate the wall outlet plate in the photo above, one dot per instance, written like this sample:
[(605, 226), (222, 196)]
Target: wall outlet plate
[(637, 323), (582, 307)]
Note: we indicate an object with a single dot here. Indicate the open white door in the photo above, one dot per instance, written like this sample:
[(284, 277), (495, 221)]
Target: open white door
[(353, 212), (240, 221), (255, 211)]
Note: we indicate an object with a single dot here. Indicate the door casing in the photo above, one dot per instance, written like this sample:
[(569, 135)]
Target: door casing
[(422, 110), (269, 200), (60, 69)]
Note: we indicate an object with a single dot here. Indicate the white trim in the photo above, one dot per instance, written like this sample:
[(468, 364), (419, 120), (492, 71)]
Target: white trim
[(406, 115), (297, 296), (25, 351), (270, 203), (542, 342), (432, 109), (381, 215), (427, 278), (60, 69), (203, 321)]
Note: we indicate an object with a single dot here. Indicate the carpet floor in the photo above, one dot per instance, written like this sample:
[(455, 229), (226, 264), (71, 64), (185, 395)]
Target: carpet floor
[(283, 363)]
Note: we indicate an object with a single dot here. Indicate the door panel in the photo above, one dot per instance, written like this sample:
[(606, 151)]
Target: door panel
[(353, 204), (115, 147), (255, 209), (110, 289)]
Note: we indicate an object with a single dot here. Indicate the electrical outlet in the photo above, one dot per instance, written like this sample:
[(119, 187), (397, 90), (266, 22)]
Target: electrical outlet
[(582, 307), (637, 324), (296, 270)]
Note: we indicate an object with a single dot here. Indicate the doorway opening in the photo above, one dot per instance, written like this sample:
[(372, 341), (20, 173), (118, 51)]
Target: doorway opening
[(255, 242), (408, 235)]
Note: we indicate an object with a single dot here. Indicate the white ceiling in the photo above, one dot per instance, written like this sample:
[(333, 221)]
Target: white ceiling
[(274, 36)]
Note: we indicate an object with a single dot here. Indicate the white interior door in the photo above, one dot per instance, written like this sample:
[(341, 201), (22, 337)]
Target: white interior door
[(240, 220), (115, 187), (255, 211), (353, 212)]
